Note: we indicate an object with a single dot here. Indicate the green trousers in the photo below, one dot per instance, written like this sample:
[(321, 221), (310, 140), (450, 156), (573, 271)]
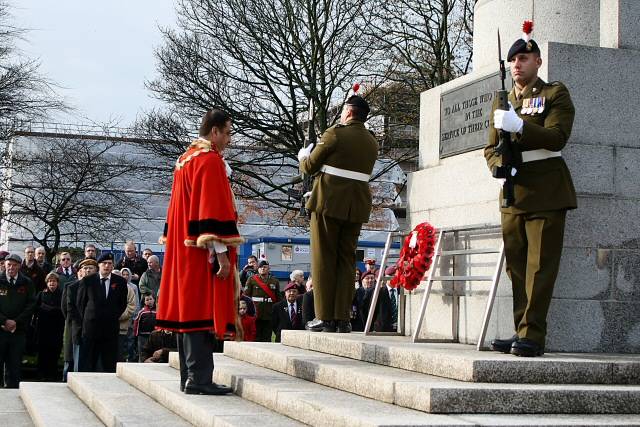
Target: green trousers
[(533, 246), (333, 261)]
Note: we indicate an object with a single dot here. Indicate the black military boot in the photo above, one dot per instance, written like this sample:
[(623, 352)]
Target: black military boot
[(525, 347), (343, 326), (503, 346), (317, 325)]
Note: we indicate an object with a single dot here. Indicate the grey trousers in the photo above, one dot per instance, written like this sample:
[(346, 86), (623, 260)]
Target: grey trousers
[(196, 357)]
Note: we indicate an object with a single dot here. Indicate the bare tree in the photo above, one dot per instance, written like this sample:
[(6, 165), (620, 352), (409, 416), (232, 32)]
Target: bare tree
[(429, 40), (57, 189), (265, 62), (24, 93)]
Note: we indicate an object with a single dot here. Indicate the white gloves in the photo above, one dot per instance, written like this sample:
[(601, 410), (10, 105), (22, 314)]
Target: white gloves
[(305, 152), (507, 120)]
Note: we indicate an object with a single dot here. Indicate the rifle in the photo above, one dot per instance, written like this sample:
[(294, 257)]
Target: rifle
[(511, 155), (307, 180)]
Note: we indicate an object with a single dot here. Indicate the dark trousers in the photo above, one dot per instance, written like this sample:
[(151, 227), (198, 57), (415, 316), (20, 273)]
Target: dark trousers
[(333, 261), (263, 330), (12, 347), (142, 341), (98, 354), (196, 357), (533, 246), (48, 355)]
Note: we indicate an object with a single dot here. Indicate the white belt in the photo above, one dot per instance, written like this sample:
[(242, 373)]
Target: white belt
[(541, 154), (261, 299), (344, 173)]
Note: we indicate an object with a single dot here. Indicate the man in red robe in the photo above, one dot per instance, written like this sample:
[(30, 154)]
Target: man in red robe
[(199, 285)]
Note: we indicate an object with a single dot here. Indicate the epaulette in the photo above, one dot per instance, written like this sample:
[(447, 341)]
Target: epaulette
[(339, 125)]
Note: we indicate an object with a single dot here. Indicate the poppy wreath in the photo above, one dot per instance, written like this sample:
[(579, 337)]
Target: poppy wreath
[(416, 257)]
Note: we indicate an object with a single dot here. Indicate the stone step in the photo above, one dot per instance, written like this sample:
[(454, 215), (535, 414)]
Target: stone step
[(319, 405), (55, 405), (436, 394), (162, 383), (117, 403), (13, 412), (464, 363)]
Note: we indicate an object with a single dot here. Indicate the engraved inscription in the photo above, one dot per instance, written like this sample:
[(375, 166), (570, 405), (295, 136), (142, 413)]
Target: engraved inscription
[(464, 116)]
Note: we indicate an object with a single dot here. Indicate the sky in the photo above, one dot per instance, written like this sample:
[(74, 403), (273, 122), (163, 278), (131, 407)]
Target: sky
[(99, 53)]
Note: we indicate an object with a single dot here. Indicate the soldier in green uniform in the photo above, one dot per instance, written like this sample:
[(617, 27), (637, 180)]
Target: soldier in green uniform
[(540, 121), (264, 290), (340, 203)]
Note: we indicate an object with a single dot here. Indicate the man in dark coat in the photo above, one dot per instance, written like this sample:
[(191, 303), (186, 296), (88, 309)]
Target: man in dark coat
[(32, 270), (131, 260), (383, 317), (17, 303), (73, 320), (287, 314), (101, 300)]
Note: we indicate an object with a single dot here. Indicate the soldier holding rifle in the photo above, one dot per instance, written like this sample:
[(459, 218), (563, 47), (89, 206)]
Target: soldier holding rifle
[(538, 121), (340, 203)]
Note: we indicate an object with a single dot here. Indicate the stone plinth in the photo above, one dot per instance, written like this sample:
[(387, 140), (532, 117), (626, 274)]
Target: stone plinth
[(596, 304)]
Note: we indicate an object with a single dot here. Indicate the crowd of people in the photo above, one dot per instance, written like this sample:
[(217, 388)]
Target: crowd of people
[(266, 310), (101, 312), (97, 310)]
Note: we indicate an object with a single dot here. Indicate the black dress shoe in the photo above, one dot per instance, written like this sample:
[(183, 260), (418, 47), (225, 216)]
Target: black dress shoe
[(209, 389), (343, 326), (526, 348), (503, 346), (317, 325)]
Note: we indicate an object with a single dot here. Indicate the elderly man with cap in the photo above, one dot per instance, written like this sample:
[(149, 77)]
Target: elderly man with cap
[(540, 119), (287, 314), (17, 304), (264, 290), (340, 203), (101, 300)]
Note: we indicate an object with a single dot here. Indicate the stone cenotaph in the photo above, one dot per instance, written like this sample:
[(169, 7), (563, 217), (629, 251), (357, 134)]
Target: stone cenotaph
[(593, 47)]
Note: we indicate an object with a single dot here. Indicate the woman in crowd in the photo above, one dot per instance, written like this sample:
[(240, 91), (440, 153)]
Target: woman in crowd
[(49, 327)]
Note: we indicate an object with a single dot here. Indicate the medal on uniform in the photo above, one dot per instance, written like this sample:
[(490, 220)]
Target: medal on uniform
[(534, 108), (529, 105), (541, 109)]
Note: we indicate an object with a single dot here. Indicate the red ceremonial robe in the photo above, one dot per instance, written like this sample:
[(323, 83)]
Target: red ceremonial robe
[(201, 210)]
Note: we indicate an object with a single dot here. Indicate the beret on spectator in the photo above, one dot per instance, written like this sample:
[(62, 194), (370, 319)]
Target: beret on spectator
[(390, 271), (3, 254), (105, 257), (291, 285), (368, 273), (263, 263), (370, 261)]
